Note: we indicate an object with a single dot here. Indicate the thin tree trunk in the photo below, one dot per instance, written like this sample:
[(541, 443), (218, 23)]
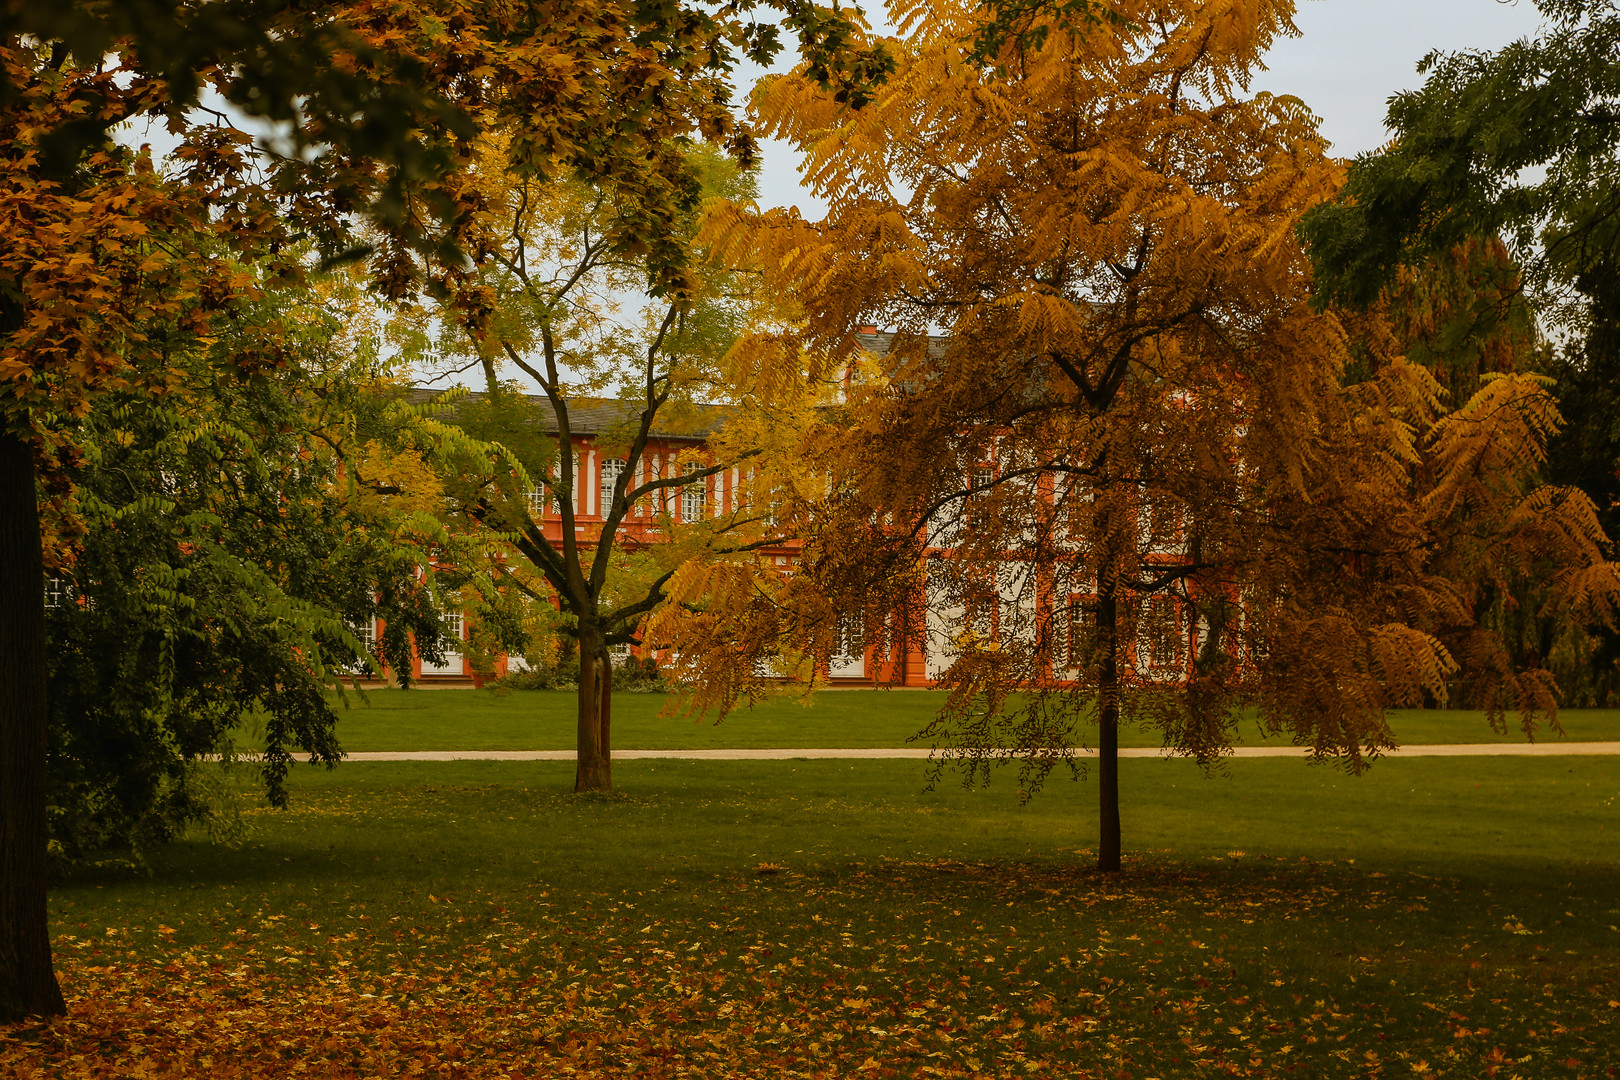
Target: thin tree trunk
[(1108, 722), (594, 768), (27, 981), (604, 708)]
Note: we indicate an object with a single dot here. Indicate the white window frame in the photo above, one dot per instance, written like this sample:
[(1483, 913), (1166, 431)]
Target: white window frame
[(1161, 526), (1077, 628), (454, 660), (848, 658), (610, 470), (366, 631), (694, 500)]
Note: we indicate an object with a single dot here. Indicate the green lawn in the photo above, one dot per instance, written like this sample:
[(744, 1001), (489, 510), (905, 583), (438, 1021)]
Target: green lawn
[(544, 720), (1434, 917)]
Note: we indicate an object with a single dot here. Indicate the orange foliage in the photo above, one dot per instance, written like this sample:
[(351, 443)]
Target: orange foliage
[(1107, 380)]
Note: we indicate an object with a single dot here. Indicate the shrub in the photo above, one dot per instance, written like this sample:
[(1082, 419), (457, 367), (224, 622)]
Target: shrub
[(633, 676)]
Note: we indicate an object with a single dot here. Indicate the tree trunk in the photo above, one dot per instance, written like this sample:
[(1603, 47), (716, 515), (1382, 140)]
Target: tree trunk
[(27, 981), (594, 768), (1108, 721)]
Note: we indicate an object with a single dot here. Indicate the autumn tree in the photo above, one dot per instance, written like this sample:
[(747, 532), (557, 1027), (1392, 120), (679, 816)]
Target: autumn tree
[(569, 313), (1110, 455), (1464, 315), (1517, 146), (376, 107)]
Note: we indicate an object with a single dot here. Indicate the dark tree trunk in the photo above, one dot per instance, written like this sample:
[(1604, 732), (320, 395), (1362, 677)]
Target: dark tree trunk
[(1108, 722), (27, 981), (594, 768)]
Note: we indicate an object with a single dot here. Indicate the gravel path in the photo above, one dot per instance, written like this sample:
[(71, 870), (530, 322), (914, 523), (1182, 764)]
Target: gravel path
[(1544, 749)]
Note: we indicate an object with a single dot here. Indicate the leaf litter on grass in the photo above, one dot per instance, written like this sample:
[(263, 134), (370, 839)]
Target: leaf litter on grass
[(884, 968)]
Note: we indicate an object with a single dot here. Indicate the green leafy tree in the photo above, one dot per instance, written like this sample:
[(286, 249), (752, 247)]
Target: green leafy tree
[(229, 551), (217, 541)]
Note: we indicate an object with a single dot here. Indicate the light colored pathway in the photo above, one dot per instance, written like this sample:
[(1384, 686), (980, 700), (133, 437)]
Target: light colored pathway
[(1542, 749)]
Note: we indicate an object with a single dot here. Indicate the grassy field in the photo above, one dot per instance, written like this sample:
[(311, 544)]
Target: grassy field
[(544, 720), (1434, 917)]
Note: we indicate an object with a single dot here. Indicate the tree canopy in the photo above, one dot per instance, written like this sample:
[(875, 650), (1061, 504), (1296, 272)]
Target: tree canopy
[(1111, 440), (377, 106), (1520, 142), (644, 376), (233, 558), (1517, 146)]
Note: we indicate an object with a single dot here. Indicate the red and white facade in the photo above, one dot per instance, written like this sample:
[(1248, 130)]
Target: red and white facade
[(1028, 595)]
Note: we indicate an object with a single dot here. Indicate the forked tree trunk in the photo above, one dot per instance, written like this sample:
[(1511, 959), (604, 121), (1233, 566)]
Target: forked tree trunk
[(594, 768), (27, 981), (1108, 721)]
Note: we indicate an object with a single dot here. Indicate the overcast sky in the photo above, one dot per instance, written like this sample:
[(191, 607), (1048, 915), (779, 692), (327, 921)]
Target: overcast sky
[(1351, 56)]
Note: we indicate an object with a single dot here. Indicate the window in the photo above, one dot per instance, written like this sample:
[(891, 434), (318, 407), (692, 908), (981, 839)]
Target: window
[(848, 659), (1161, 523), (980, 477), (847, 638), (454, 626), (619, 652), (693, 497), (1079, 497), (1164, 520), (1161, 638), (612, 469), (657, 502), (366, 631), (57, 592), (979, 480), (1080, 624), (546, 501)]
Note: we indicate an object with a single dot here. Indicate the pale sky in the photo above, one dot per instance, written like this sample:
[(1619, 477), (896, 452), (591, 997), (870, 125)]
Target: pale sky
[(1351, 56)]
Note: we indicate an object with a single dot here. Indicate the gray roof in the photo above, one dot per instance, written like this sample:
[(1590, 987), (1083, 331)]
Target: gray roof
[(597, 416), (880, 342)]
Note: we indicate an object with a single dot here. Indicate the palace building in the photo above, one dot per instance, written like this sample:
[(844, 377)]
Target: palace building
[(1161, 649)]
